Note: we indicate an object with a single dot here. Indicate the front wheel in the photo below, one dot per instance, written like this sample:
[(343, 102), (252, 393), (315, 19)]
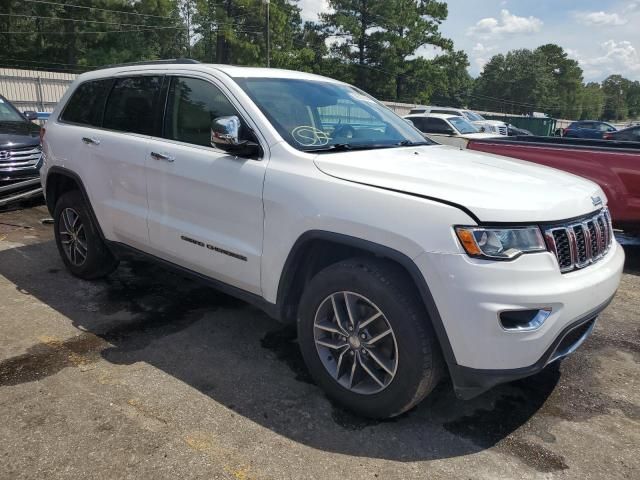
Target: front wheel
[(366, 338)]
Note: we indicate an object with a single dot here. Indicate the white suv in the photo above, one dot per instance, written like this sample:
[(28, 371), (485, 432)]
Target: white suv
[(400, 260), (488, 126)]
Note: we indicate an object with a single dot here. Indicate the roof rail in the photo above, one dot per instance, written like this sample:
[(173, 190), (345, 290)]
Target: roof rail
[(152, 62)]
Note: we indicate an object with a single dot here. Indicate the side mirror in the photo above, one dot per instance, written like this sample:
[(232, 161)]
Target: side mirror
[(225, 135), (449, 131), (31, 115), (225, 132)]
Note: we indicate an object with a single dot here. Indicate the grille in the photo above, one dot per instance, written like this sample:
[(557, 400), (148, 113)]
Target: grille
[(579, 244), (503, 130), (19, 158)]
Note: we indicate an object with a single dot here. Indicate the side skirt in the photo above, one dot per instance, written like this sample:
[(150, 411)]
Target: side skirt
[(125, 252)]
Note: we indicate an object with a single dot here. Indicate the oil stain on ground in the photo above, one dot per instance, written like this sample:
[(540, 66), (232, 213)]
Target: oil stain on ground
[(160, 301), (50, 357)]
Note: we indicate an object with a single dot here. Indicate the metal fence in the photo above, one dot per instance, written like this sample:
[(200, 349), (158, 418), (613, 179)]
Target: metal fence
[(34, 89)]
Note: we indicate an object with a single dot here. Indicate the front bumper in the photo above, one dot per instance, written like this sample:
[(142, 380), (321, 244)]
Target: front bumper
[(19, 188), (469, 295)]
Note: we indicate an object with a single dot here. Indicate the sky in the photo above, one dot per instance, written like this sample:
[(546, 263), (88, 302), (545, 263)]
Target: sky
[(602, 35)]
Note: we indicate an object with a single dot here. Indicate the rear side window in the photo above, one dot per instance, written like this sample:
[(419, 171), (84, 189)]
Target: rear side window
[(86, 105), (131, 105), (420, 123), (192, 106)]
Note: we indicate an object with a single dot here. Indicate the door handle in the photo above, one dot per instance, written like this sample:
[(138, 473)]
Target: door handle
[(91, 141), (162, 156)]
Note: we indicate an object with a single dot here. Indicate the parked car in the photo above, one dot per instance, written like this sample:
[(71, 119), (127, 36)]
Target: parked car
[(614, 166), (446, 129), (400, 260), (588, 129), (631, 134), (487, 126), (20, 154)]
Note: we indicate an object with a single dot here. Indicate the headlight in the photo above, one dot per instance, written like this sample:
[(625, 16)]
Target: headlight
[(500, 243)]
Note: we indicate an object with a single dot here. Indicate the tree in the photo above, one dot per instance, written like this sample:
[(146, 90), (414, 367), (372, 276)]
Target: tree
[(566, 77), (452, 83), (524, 81), (56, 36), (379, 41), (615, 88), (517, 82), (591, 100)]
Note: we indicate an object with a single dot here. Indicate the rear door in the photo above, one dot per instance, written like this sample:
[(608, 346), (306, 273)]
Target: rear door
[(205, 205), (118, 165), (103, 137)]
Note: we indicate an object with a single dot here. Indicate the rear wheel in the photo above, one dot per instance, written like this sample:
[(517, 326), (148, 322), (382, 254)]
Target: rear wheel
[(366, 338), (82, 250)]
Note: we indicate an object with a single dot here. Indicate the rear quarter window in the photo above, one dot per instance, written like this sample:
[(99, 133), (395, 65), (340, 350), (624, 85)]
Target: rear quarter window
[(86, 105)]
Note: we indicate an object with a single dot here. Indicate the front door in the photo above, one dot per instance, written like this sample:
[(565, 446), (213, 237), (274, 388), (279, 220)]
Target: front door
[(205, 205)]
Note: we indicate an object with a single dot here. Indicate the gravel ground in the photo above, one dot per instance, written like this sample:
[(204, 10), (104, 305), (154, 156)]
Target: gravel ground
[(149, 375)]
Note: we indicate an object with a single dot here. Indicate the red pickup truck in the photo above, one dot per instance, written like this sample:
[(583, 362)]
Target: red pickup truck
[(615, 166)]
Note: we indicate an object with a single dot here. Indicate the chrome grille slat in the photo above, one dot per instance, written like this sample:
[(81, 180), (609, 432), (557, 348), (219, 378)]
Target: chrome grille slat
[(19, 158), (579, 244)]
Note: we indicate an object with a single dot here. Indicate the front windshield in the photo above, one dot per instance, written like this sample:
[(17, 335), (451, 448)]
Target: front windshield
[(8, 113), (462, 125), (314, 115), (473, 117)]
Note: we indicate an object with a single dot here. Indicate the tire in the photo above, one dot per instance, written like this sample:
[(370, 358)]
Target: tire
[(416, 364), (83, 252)]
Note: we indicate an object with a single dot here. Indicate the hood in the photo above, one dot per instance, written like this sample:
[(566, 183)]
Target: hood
[(19, 134), (494, 188), (496, 123)]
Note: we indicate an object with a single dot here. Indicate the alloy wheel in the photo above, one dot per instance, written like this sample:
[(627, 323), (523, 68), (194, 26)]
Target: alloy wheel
[(355, 342), (73, 237)]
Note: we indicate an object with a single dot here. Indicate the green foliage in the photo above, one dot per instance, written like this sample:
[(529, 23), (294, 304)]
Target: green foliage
[(392, 49), (57, 37), (379, 41), (546, 80)]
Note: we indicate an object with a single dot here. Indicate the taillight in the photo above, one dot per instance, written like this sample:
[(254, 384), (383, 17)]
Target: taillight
[(42, 132)]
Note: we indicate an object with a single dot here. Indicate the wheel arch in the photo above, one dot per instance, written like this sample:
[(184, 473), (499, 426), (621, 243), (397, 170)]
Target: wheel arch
[(316, 249), (61, 180)]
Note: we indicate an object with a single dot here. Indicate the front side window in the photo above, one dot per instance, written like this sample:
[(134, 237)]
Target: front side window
[(131, 105), (436, 125), (192, 106), (320, 116), (462, 125)]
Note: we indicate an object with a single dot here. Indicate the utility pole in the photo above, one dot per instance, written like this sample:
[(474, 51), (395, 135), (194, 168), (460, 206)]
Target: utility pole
[(268, 34)]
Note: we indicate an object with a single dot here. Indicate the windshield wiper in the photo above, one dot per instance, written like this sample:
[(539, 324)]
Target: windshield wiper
[(341, 147)]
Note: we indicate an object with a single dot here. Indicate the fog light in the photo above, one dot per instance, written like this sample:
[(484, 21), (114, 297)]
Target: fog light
[(524, 320)]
